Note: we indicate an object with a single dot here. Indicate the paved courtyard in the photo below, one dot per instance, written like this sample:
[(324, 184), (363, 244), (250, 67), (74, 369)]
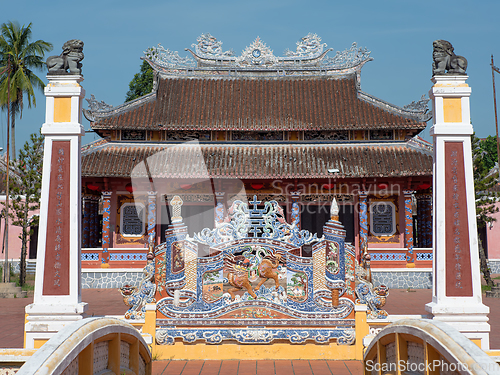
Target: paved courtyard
[(257, 367)]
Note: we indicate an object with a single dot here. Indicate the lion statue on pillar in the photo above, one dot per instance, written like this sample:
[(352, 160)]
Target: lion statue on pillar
[(446, 60), (69, 59)]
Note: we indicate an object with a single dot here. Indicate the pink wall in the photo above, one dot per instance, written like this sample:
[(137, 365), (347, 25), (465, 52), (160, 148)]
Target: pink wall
[(493, 237), (14, 240)]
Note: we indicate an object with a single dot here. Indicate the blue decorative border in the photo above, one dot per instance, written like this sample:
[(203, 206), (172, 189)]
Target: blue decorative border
[(167, 336)]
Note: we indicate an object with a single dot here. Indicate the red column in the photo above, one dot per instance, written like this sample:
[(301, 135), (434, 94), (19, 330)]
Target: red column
[(410, 258), (428, 220), (93, 225), (106, 230), (363, 222), (87, 207)]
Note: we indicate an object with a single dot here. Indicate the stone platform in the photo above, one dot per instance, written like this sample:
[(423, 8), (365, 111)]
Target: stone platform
[(10, 290)]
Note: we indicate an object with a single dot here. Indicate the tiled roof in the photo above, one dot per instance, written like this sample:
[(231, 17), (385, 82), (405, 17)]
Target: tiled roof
[(285, 103), (247, 161)]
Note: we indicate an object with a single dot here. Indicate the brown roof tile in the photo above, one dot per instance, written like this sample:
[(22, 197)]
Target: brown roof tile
[(255, 161), (313, 103)]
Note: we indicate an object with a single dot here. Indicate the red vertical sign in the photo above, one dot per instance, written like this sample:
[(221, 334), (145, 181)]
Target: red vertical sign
[(56, 271), (458, 267)]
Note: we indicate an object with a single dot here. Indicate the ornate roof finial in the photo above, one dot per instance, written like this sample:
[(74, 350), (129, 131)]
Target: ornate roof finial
[(96, 106), (176, 203), (309, 46), (209, 46), (310, 55), (419, 105), (167, 58), (258, 54), (334, 210)]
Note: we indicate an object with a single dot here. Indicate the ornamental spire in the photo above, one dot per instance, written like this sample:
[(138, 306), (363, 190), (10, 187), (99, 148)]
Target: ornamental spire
[(334, 210)]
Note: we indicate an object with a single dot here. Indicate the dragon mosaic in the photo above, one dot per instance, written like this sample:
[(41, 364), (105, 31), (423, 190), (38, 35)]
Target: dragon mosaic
[(254, 286), (250, 267)]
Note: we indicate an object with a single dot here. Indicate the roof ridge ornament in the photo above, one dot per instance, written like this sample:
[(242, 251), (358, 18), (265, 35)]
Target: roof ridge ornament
[(309, 46), (257, 53), (167, 58), (348, 57), (209, 46), (310, 56), (419, 106), (96, 106)]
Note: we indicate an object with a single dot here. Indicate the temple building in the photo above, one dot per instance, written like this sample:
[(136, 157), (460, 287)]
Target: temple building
[(296, 129)]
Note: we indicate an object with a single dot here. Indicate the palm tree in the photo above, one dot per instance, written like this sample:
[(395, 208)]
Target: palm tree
[(24, 56), (18, 56)]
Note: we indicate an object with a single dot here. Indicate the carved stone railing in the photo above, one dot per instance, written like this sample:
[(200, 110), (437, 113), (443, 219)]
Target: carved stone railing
[(411, 346), (91, 346), (388, 257), (118, 257)]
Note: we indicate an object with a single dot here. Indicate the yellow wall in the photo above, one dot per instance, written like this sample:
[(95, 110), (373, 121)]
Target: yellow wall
[(37, 343), (452, 109), (62, 109), (253, 352)]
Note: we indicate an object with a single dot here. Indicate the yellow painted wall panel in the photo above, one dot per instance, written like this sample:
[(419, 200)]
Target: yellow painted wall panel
[(452, 109), (276, 351), (62, 109), (37, 343), (476, 341)]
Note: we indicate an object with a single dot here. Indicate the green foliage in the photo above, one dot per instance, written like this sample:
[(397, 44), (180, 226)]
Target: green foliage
[(485, 288), (484, 153), (141, 84), (485, 183), (25, 192), (19, 56), (12, 273), (489, 148)]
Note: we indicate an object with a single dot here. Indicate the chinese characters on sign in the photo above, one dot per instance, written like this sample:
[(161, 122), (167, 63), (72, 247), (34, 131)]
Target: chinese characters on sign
[(458, 269), (56, 272), (133, 220), (383, 219)]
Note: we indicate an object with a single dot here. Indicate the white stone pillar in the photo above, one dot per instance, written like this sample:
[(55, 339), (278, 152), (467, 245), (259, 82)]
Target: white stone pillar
[(456, 297), (57, 299)]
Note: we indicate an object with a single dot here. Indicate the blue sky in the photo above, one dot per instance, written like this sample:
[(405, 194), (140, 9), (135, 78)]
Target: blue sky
[(398, 32)]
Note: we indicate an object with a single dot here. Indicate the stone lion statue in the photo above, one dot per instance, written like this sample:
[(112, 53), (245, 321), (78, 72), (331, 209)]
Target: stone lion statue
[(69, 59), (446, 60)]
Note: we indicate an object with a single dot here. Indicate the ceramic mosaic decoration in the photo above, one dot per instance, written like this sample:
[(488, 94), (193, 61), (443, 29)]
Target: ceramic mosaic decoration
[(254, 286)]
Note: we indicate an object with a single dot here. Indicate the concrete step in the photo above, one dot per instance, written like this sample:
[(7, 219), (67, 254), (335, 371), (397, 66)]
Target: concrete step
[(494, 293), (10, 290)]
